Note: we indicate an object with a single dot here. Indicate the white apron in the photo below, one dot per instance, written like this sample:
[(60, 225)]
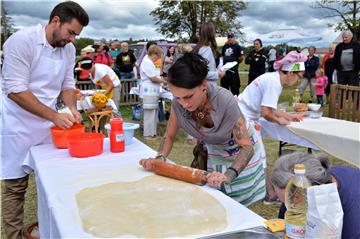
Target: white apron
[(22, 129), (150, 92)]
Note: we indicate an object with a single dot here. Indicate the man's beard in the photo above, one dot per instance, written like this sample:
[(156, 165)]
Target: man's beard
[(57, 40)]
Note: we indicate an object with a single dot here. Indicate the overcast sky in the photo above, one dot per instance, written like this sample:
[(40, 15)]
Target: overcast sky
[(121, 19)]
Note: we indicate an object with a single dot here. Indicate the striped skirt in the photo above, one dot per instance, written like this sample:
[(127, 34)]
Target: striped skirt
[(249, 186)]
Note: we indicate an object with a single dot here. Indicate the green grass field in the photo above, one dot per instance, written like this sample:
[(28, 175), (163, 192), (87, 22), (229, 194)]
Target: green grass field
[(182, 154)]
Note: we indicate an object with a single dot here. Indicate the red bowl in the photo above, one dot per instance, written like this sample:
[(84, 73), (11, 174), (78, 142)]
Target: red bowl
[(59, 135), (85, 144)]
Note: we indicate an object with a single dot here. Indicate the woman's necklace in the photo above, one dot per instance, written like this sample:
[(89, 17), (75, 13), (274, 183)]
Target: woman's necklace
[(201, 115)]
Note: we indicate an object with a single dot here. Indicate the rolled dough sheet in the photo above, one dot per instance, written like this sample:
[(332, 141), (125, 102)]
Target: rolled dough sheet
[(153, 207)]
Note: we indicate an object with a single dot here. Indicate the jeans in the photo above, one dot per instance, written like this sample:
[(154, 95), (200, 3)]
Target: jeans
[(127, 75), (161, 112), (320, 99), (304, 83)]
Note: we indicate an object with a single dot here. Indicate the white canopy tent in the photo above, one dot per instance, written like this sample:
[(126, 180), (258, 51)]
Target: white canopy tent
[(286, 36)]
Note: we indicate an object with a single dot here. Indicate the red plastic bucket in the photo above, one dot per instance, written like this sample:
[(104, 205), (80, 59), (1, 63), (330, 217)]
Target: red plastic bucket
[(85, 144), (59, 135)]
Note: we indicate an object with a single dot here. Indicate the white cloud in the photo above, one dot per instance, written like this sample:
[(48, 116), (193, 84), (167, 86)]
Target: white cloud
[(22, 21), (122, 19), (109, 19), (133, 31), (267, 16)]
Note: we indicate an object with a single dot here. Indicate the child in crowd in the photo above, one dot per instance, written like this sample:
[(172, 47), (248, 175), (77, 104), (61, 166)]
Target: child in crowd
[(320, 85)]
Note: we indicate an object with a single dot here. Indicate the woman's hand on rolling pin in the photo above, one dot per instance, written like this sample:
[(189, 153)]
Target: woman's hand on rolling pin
[(147, 163), (215, 179)]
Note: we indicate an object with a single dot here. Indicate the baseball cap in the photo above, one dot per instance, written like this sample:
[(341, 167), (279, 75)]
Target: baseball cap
[(230, 35)]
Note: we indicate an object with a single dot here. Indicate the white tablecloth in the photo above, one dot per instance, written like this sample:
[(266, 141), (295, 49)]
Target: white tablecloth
[(163, 93), (282, 133), (87, 103), (60, 177), (339, 138)]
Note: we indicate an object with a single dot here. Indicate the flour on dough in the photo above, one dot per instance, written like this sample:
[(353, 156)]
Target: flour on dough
[(153, 207)]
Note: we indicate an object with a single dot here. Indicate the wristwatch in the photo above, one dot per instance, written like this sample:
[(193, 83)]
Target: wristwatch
[(231, 173), (161, 157)]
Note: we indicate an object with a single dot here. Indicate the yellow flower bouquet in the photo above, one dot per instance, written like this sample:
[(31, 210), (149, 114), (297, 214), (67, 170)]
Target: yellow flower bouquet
[(99, 100)]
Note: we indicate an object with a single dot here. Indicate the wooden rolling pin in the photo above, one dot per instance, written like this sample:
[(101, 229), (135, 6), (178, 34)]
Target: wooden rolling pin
[(183, 173)]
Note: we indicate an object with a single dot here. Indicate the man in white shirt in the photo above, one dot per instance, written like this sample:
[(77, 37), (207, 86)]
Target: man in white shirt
[(37, 70)]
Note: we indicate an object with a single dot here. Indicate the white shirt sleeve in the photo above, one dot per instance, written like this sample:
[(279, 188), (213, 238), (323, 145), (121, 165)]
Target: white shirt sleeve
[(17, 63), (148, 69), (270, 93)]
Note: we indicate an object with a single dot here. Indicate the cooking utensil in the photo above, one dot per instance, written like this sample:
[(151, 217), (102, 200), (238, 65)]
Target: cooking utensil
[(60, 136), (129, 130), (316, 114), (183, 173), (85, 144), (314, 107)]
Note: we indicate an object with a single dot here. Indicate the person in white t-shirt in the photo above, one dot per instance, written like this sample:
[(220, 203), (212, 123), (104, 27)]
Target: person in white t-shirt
[(149, 90), (260, 99), (103, 77)]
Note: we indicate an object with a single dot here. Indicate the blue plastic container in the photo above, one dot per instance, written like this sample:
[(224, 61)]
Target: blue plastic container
[(129, 129)]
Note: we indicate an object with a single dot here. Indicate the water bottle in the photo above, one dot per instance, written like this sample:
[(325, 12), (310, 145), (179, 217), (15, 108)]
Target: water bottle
[(117, 138), (296, 97), (296, 203)]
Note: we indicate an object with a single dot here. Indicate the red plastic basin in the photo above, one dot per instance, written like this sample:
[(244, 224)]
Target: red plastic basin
[(59, 135), (85, 144)]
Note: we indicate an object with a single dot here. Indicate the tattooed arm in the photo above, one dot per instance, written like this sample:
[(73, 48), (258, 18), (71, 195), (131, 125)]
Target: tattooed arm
[(166, 142), (242, 138)]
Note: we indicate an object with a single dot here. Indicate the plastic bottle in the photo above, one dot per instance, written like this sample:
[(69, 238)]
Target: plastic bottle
[(296, 203), (296, 97), (117, 138)]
